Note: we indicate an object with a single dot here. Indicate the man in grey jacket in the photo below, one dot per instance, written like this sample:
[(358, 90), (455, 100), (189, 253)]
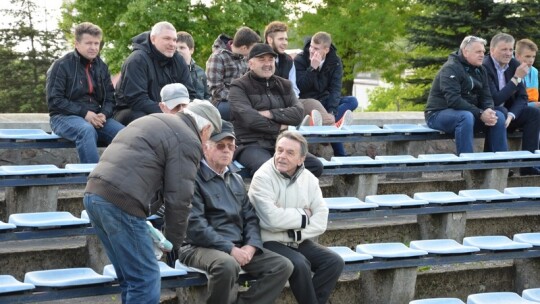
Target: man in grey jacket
[(223, 233), (158, 153)]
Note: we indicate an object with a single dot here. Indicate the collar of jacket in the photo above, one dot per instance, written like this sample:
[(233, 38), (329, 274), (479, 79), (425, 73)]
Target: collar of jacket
[(190, 122), (268, 81), (83, 59), (234, 56), (207, 173), (292, 178)]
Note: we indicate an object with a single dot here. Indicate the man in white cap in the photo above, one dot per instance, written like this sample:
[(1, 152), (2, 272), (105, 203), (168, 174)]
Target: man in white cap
[(174, 98), (137, 173)]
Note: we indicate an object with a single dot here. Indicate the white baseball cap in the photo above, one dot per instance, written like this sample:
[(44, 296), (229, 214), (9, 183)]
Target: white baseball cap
[(174, 94)]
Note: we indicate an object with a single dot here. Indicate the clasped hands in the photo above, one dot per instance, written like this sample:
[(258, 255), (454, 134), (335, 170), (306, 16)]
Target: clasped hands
[(96, 120)]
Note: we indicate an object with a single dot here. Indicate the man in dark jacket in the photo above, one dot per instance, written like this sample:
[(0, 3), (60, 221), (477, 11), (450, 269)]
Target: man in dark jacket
[(156, 156), (460, 101), (318, 75), (80, 95), (263, 105), (510, 95), (223, 234), (185, 45), (275, 35), (153, 64)]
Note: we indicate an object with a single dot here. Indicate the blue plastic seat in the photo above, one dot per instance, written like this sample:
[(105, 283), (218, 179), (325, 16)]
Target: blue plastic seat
[(494, 242), (399, 159), (439, 158), (524, 192), (497, 298), (442, 197), (394, 200), (409, 128), (488, 195), (347, 203), (366, 129), (182, 266), (532, 238), (516, 155), (31, 170), (532, 294), (323, 130), (348, 255), (80, 168), (438, 301), (389, 250), (357, 160), (66, 277), (6, 226), (36, 134), (10, 284), (443, 246), (480, 156), (46, 219), (164, 270), (329, 163)]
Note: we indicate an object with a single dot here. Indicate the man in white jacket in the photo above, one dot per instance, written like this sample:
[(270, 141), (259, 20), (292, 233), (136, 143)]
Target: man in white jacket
[(292, 212)]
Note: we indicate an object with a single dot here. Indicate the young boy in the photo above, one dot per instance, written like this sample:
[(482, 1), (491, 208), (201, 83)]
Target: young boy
[(185, 45), (526, 52)]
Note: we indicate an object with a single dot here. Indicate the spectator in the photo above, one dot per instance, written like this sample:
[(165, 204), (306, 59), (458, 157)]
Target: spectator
[(225, 65), (159, 153), (174, 98), (526, 52), (185, 45), (152, 64), (80, 95), (292, 212), (223, 234), (460, 101), (275, 35), (505, 77), (263, 105), (318, 75)]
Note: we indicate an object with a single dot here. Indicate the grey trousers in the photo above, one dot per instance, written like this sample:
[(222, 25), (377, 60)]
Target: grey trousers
[(270, 269)]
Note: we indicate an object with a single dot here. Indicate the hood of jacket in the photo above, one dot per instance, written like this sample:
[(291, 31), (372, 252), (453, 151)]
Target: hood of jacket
[(222, 42)]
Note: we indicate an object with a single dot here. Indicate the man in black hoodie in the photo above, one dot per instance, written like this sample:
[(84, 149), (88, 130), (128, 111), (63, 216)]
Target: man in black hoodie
[(318, 75), (153, 64), (460, 101)]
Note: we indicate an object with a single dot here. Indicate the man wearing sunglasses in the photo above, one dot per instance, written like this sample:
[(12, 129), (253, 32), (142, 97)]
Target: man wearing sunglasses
[(223, 233), (460, 101)]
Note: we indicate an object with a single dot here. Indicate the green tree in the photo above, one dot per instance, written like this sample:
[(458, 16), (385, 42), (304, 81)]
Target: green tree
[(25, 55), (368, 34), (121, 20)]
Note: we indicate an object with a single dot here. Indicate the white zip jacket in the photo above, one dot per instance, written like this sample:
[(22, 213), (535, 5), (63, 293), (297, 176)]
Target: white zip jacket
[(280, 202)]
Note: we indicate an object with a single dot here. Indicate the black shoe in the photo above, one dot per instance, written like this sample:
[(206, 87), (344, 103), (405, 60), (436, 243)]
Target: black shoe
[(529, 171)]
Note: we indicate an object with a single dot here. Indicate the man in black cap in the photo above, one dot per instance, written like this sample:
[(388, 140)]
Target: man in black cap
[(262, 106), (223, 233)]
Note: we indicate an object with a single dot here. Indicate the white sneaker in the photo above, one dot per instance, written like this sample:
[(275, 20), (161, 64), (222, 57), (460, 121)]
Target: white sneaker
[(346, 120), (305, 122), (316, 118)]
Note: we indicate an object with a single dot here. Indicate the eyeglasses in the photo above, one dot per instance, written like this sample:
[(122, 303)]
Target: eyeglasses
[(470, 39), (222, 146)]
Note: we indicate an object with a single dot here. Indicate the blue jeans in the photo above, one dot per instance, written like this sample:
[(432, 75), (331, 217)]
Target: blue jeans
[(345, 103), (129, 247), (463, 124), (85, 136)]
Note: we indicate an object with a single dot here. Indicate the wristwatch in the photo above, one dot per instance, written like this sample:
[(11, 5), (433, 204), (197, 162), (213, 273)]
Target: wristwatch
[(517, 79)]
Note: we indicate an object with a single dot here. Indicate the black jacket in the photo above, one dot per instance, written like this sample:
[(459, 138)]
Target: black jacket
[(157, 153), (222, 215), (250, 94), (322, 84), (67, 87), (145, 72), (513, 97), (283, 65), (461, 86)]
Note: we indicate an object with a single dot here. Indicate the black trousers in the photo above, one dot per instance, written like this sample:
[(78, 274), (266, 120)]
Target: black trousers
[(309, 258), (253, 157)]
